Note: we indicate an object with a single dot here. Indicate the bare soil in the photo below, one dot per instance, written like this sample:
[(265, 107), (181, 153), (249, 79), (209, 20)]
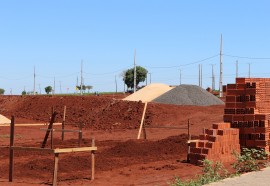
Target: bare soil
[(121, 159)]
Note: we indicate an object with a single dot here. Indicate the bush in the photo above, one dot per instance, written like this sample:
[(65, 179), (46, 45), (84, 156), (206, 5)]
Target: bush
[(211, 173), (247, 161)]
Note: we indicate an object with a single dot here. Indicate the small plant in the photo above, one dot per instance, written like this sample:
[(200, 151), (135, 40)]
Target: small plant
[(211, 173), (247, 161)]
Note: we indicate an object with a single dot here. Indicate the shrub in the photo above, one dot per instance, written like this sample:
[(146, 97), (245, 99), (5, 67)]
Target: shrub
[(247, 161), (211, 173)]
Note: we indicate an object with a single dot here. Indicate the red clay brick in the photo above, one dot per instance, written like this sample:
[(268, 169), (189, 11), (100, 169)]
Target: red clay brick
[(209, 145), (221, 125), (261, 117), (206, 150), (249, 117), (196, 150), (211, 131), (194, 144), (202, 143), (212, 138), (203, 137), (230, 98)]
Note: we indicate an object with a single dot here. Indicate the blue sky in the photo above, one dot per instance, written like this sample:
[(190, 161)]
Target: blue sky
[(55, 36)]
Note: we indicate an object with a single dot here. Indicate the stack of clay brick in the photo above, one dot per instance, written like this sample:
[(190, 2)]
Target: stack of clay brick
[(247, 108), (217, 144)]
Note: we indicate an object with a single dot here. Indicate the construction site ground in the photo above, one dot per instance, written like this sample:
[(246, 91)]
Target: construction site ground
[(121, 159)]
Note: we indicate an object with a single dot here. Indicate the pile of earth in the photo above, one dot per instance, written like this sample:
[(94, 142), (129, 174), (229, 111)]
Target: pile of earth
[(188, 95), (105, 113), (149, 92), (94, 111)]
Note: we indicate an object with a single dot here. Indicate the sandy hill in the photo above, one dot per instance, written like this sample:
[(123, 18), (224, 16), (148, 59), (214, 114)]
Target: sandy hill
[(149, 92), (4, 120)]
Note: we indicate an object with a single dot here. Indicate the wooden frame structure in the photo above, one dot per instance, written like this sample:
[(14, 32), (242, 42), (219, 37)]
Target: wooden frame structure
[(143, 127), (56, 153)]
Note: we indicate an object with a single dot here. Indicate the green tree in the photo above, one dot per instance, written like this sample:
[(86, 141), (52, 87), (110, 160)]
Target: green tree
[(88, 87), (23, 92), (128, 76), (2, 91), (48, 89)]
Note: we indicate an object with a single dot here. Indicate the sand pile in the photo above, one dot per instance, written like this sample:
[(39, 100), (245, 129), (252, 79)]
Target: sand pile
[(188, 95), (4, 120), (149, 92)]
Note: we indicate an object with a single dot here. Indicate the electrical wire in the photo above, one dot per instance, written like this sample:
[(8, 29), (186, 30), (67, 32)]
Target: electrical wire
[(187, 64), (234, 56)]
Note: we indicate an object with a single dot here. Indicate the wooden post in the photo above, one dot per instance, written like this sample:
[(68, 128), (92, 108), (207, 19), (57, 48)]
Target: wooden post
[(11, 151), (63, 123), (80, 135), (48, 131), (52, 138), (140, 130), (144, 132), (55, 171), (189, 138), (93, 160)]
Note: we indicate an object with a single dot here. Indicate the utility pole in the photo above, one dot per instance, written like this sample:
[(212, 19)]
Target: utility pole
[(81, 76), (236, 68), (221, 72), (180, 77), (213, 77), (60, 88), (124, 84), (150, 76), (54, 85), (201, 75), (115, 84), (34, 80), (77, 85), (134, 87), (39, 89), (249, 70)]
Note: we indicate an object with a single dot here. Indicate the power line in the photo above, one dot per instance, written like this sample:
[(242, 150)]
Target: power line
[(187, 64), (108, 73), (243, 57)]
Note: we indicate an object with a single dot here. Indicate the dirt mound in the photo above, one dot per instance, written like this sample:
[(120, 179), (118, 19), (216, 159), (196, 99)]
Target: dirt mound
[(94, 111), (188, 95), (149, 92)]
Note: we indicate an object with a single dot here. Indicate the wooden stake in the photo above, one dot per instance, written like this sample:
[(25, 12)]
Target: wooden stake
[(63, 123), (144, 132), (55, 171), (140, 130), (11, 151), (80, 135), (52, 138), (189, 138), (48, 131), (93, 160)]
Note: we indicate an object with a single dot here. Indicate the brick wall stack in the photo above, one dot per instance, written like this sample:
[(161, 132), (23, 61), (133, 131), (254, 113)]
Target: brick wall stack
[(216, 144), (247, 107)]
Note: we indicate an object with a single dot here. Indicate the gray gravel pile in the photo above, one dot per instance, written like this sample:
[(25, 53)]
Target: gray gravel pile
[(188, 95)]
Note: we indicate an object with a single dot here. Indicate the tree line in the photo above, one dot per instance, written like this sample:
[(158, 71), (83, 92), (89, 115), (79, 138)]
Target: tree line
[(127, 75)]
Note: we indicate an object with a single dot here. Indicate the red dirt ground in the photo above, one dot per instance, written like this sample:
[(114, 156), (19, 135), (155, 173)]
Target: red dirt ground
[(120, 158)]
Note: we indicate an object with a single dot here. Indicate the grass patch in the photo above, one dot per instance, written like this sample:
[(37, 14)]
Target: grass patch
[(19, 136)]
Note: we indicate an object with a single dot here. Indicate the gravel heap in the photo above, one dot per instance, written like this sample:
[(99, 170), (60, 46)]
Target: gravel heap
[(188, 95)]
